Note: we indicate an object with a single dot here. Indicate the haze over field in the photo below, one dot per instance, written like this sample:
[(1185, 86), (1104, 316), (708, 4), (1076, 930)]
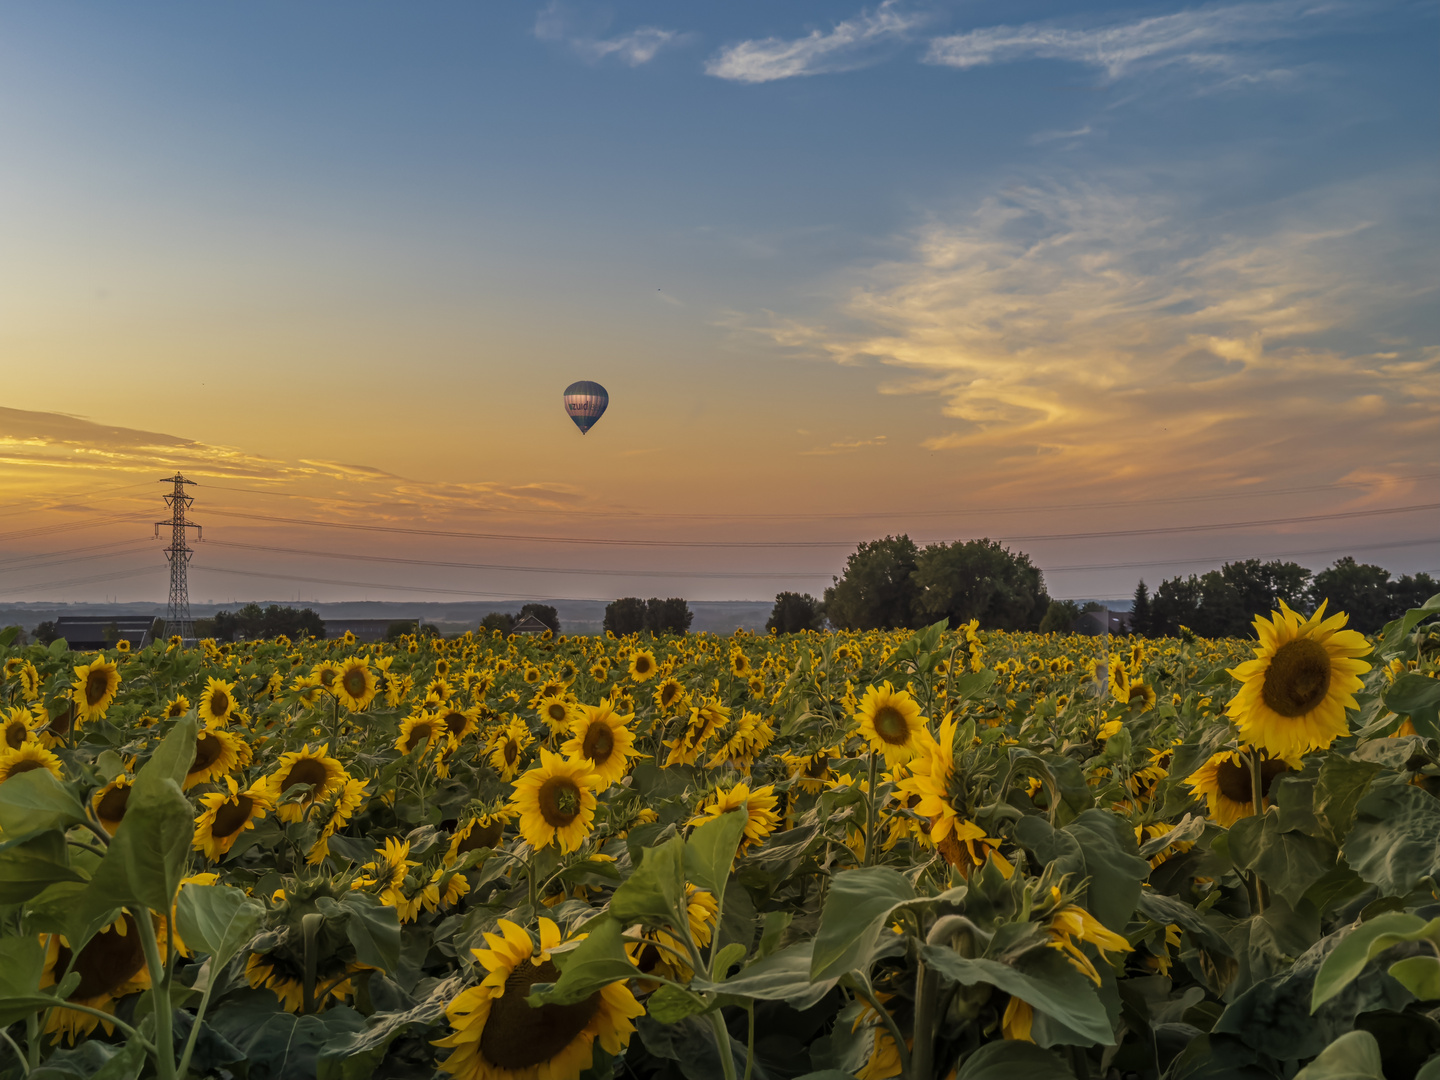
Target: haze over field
[(1089, 279)]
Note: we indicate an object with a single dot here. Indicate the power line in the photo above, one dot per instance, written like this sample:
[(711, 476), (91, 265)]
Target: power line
[(46, 530), (928, 513), (1267, 555), (1163, 530), (113, 575), (395, 588), (53, 558)]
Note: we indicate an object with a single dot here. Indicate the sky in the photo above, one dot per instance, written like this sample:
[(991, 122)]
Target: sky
[(1137, 288)]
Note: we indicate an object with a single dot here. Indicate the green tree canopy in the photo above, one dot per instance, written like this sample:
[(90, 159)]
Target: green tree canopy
[(877, 589), (252, 623), (980, 579), (672, 616), (794, 612)]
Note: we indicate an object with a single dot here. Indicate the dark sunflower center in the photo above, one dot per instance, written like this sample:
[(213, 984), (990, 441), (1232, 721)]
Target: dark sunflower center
[(232, 816), (113, 803), (1234, 780), (455, 722), (890, 725), (175, 709), (512, 751), (107, 962), (599, 743), (15, 734), (1298, 677), (23, 765), (668, 694), (559, 801), (208, 748), (556, 711), (517, 1036), (327, 677), (1137, 691), (818, 766), (305, 771), (219, 703), (97, 685), (418, 734), (354, 682), (482, 836), (642, 665)]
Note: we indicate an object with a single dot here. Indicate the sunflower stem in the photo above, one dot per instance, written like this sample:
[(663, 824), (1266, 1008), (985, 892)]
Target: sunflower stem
[(750, 1041), (25, 1065), (870, 813), (862, 986), (164, 1048), (722, 1044), (1257, 796)]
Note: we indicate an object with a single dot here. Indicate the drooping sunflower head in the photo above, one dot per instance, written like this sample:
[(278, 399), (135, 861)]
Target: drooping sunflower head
[(94, 688), (111, 965), (481, 831), (111, 801), (758, 806), (226, 816), (27, 756), (890, 721), (1293, 695), (1141, 694), (1225, 781)]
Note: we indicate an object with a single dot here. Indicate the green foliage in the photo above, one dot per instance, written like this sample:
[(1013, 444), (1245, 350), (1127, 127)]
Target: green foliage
[(794, 612)]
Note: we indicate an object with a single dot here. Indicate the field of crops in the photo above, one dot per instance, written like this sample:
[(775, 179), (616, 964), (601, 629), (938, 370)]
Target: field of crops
[(932, 854)]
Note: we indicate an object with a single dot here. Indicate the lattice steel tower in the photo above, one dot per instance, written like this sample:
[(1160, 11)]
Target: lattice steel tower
[(177, 614)]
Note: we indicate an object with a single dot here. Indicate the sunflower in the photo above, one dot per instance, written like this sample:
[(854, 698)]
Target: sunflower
[(94, 689), (217, 703), (705, 721), (600, 735), (284, 978), (1142, 694), (669, 693), (655, 955), (642, 666), (759, 806), (111, 965), (29, 755), (1293, 695), (419, 729), (313, 769), (1018, 1019), (20, 726), (1118, 680), (458, 723), (1073, 923), (507, 745), (1225, 782), (216, 753), (332, 817), (890, 722), (325, 673), (481, 831), (226, 816), (29, 681), (356, 685), (556, 802), (110, 802), (388, 872), (176, 707), (498, 1036), (558, 713), (810, 771)]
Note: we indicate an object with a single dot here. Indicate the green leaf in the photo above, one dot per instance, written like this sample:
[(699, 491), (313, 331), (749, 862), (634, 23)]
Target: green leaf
[(654, 895), (1113, 864), (1342, 783), (1420, 975), (355, 1055), (373, 929), (1349, 957), (278, 1045), (670, 1005), (1395, 841), (597, 961), (1353, 1056), (973, 684), (782, 976), (726, 957), (27, 869), (1070, 999), (1288, 862), (1190, 829), (710, 851), (1430, 1070), (218, 920), (1418, 697), (1007, 1059), (35, 801), (72, 909), (22, 961), (855, 913)]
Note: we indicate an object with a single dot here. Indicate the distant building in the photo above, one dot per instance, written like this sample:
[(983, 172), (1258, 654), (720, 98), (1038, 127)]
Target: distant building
[(1095, 623), (89, 633), (529, 625), (367, 629)]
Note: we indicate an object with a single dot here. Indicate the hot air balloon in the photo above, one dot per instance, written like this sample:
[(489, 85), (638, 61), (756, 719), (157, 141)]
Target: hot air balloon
[(585, 401)]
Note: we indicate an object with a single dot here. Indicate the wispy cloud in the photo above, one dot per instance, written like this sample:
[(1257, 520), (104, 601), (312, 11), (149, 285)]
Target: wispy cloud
[(1055, 136), (1081, 332), (637, 47), (844, 446), (1204, 38), (849, 45)]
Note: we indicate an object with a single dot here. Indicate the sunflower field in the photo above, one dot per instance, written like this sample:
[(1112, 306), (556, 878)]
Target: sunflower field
[(932, 854)]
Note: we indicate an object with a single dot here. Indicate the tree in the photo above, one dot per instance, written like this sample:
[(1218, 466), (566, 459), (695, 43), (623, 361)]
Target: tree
[(498, 620), (980, 579), (1360, 590), (1059, 617), (46, 632), (794, 612), (1176, 603), (877, 591), (625, 616), (671, 616), (251, 623), (394, 631), (1140, 611), (1410, 592), (544, 612)]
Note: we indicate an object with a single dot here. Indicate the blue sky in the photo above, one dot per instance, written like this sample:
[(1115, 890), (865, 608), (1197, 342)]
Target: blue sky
[(844, 255)]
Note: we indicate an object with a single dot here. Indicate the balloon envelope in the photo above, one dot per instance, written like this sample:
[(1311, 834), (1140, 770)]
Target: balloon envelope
[(585, 401)]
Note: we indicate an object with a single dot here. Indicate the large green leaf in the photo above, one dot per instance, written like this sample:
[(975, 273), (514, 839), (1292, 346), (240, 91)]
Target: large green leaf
[(27, 869), (218, 920), (1353, 1056), (22, 960), (1348, 958), (710, 851), (654, 894), (1395, 841), (781, 976), (1342, 783), (373, 929), (1288, 862), (1069, 998), (854, 916), (1007, 1059), (1418, 697), (278, 1045), (355, 1055), (597, 961), (1113, 864), (34, 801), (1420, 975)]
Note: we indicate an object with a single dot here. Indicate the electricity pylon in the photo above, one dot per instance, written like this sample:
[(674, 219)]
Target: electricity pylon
[(177, 613)]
